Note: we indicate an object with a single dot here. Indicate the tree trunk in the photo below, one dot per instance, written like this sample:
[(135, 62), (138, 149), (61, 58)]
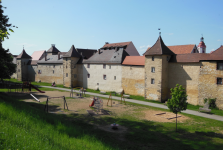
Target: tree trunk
[(176, 122)]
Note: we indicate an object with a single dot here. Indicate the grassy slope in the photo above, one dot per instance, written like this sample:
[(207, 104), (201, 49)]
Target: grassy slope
[(23, 127)]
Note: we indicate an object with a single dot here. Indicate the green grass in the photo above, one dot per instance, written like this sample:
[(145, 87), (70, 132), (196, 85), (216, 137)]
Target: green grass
[(215, 111), (23, 127)]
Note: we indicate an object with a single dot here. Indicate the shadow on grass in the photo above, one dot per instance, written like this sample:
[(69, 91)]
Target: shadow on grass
[(139, 135)]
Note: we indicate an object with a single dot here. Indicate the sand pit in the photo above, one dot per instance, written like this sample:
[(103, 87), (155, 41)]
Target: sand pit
[(81, 105)]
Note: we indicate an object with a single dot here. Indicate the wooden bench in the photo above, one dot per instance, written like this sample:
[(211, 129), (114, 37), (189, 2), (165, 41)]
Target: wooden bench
[(205, 108), (102, 92), (126, 96)]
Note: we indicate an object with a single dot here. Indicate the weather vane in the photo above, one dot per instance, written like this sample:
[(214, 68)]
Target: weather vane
[(159, 32)]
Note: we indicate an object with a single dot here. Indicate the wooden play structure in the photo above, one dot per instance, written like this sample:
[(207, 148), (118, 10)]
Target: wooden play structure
[(122, 97), (110, 98), (46, 106)]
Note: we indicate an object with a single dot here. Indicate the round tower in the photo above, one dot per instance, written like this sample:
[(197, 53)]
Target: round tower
[(201, 47)]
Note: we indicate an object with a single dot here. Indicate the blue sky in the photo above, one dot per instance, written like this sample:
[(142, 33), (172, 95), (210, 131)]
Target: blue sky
[(91, 23)]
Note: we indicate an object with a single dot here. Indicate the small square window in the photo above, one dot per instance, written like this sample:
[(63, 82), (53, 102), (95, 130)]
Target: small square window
[(19, 70), (114, 77), (219, 80), (152, 69), (75, 75), (88, 75), (88, 65), (66, 74), (152, 81), (109, 66), (104, 77), (220, 66), (104, 66), (39, 71), (53, 66), (152, 58), (53, 71), (74, 66)]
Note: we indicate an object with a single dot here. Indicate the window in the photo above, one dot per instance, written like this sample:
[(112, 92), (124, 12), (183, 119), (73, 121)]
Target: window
[(66, 59), (104, 66), (88, 65), (66, 66), (114, 77), (39, 71), (152, 69), (152, 58), (97, 83), (53, 66), (152, 81), (18, 70), (75, 75), (219, 80), (66, 74), (74, 66), (104, 77), (219, 65), (53, 71), (109, 66), (88, 75)]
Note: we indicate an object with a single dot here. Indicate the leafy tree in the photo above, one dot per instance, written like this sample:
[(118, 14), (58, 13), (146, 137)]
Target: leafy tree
[(7, 68), (177, 103)]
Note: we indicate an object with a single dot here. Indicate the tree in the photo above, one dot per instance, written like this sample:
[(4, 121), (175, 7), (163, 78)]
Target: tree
[(177, 103), (7, 68)]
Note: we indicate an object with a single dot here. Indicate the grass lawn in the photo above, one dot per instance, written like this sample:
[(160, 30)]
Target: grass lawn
[(23, 126), (215, 111)]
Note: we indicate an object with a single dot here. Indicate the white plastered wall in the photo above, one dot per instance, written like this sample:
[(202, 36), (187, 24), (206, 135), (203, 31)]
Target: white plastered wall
[(97, 71)]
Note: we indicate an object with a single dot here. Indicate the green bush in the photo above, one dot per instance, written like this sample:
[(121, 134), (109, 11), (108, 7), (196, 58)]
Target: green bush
[(211, 102)]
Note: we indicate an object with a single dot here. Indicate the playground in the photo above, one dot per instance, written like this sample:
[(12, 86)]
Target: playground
[(80, 106)]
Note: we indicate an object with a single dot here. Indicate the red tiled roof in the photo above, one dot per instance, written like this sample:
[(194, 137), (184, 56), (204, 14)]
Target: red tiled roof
[(180, 49), (37, 55), (116, 44), (134, 60), (218, 51)]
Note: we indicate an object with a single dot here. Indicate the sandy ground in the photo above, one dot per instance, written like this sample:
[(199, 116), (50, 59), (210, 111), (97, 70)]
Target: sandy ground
[(81, 105)]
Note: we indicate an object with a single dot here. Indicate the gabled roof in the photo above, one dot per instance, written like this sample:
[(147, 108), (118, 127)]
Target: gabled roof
[(51, 59), (122, 44), (159, 48), (134, 60), (86, 53), (53, 49), (218, 51), (72, 53), (181, 49), (23, 55), (107, 57), (37, 55)]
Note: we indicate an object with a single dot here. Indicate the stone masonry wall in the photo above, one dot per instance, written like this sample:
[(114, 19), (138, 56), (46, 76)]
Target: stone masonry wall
[(50, 73), (153, 91), (19, 70), (133, 80), (67, 71), (208, 87), (187, 75)]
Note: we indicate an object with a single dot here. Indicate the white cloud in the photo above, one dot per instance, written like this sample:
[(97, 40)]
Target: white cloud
[(219, 40), (142, 46)]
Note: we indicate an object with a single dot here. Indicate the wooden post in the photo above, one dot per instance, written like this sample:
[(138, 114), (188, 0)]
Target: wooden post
[(110, 98)]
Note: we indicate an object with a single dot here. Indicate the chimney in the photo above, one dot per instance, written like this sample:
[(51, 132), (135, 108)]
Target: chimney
[(99, 51), (53, 45), (106, 42), (45, 56), (58, 55)]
